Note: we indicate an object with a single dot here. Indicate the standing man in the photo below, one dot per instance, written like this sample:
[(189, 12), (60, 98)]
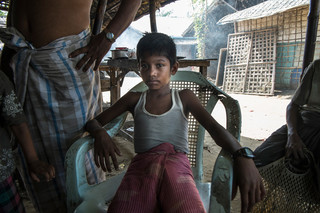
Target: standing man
[(53, 71)]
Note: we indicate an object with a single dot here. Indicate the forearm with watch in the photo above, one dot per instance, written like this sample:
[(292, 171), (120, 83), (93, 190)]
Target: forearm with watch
[(228, 142), (123, 18), (245, 152)]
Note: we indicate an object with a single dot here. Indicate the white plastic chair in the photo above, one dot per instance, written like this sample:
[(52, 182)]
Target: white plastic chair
[(216, 195)]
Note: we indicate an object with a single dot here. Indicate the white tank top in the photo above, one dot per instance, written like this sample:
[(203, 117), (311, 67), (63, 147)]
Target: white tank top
[(152, 130)]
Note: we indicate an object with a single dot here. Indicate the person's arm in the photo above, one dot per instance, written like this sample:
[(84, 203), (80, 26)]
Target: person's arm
[(294, 144), (247, 176), (35, 166), (99, 44), (104, 147)]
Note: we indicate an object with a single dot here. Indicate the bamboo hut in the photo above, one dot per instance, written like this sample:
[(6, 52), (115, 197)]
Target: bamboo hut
[(266, 51)]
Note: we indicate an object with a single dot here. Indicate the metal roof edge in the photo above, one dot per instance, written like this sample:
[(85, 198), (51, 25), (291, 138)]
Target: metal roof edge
[(246, 14)]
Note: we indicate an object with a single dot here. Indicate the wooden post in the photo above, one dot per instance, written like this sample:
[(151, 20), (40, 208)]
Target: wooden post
[(152, 10), (247, 65), (114, 85), (98, 20), (311, 34), (219, 64)]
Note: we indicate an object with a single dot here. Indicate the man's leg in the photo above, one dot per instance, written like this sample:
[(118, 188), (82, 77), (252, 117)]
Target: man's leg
[(94, 174), (272, 149)]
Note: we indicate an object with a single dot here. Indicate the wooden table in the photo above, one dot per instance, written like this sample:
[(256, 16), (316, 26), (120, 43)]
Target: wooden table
[(118, 68)]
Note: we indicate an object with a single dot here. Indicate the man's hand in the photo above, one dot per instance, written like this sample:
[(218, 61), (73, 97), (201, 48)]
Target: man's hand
[(248, 179), (94, 52), (39, 168), (295, 147), (104, 148)]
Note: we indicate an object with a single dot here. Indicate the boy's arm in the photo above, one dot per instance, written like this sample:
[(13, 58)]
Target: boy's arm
[(104, 147), (247, 176), (221, 136), (35, 166)]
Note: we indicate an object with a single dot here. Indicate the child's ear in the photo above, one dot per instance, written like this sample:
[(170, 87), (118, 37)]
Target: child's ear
[(174, 68)]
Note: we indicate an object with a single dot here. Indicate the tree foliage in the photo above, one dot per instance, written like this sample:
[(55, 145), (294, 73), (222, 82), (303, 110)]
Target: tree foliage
[(3, 13), (200, 27)]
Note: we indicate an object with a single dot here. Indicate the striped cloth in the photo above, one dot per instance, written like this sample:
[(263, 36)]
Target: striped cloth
[(58, 101), (10, 200), (159, 180)]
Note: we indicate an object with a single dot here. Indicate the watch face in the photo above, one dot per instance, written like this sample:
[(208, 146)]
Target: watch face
[(109, 35), (248, 153)]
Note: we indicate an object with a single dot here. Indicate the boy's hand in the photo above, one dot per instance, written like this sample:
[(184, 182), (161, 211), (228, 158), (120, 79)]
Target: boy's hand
[(248, 179), (39, 168), (104, 148)]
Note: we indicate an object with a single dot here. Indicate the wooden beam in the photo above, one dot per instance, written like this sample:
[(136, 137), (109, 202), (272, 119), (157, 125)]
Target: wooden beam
[(311, 35), (98, 21), (152, 10), (219, 64)]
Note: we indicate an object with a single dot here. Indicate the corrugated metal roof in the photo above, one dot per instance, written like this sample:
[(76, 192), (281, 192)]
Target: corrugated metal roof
[(263, 9)]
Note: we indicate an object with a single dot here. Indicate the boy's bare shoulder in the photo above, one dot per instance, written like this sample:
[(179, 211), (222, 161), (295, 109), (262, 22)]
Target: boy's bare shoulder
[(186, 93), (187, 97), (130, 100), (132, 97), (134, 94)]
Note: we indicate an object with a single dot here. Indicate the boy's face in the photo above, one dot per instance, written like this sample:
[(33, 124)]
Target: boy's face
[(156, 71)]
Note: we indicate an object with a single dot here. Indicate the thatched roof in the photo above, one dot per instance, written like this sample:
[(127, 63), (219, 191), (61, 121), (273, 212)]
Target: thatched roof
[(264, 9), (112, 8), (113, 5)]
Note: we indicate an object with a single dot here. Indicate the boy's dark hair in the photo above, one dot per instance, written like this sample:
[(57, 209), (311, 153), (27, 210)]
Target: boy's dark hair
[(157, 44)]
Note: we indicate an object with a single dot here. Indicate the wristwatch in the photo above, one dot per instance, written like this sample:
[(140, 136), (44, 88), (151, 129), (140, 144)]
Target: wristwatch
[(110, 36), (243, 152)]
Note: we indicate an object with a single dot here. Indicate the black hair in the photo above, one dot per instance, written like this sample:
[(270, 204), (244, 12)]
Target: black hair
[(157, 44)]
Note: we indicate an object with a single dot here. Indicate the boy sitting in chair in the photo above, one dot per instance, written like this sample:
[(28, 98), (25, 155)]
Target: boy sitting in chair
[(159, 178)]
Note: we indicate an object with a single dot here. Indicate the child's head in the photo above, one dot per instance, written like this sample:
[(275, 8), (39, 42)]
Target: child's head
[(157, 44)]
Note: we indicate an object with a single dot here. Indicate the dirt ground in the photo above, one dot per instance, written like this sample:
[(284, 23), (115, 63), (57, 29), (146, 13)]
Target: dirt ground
[(261, 115)]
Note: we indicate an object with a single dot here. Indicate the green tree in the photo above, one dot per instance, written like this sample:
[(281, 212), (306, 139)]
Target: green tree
[(3, 13), (165, 13), (200, 26)]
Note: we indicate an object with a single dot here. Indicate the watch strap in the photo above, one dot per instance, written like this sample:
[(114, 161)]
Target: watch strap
[(243, 152)]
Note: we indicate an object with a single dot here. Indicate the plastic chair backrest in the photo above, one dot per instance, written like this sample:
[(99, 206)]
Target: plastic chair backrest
[(215, 196)]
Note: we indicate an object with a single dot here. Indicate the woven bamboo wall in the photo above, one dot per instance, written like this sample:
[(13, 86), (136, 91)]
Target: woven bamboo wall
[(250, 62), (291, 31)]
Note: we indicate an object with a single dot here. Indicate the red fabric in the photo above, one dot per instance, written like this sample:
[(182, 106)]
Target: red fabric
[(10, 200), (159, 180)]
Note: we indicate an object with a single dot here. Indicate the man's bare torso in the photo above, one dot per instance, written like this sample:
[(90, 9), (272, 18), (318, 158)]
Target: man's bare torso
[(46, 20)]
